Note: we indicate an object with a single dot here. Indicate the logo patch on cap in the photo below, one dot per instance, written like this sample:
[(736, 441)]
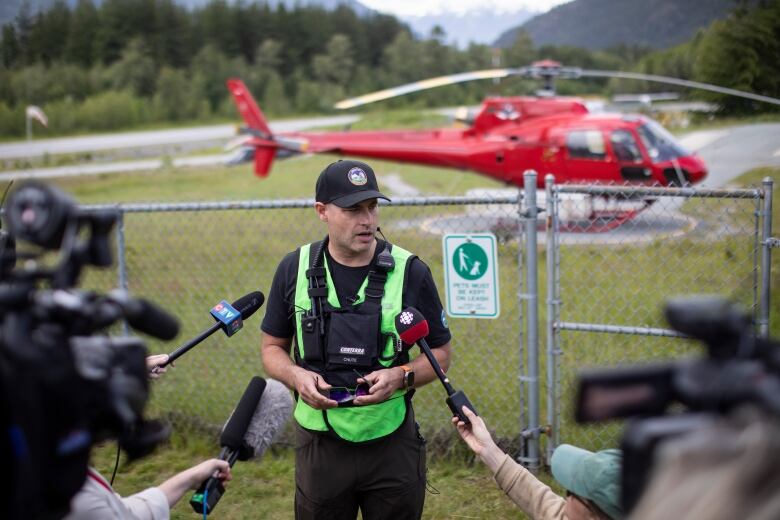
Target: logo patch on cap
[(357, 176)]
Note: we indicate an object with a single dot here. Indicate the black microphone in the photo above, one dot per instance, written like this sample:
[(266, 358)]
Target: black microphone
[(263, 411), (412, 327), (226, 320), (144, 315)]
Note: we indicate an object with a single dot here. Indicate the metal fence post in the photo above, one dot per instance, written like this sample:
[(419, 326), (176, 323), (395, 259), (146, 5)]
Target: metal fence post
[(552, 314), (120, 257), (520, 314), (532, 431), (766, 259)]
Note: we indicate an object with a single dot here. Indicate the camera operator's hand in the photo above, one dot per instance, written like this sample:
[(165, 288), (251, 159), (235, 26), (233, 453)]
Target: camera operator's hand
[(175, 487), (477, 437), (153, 365)]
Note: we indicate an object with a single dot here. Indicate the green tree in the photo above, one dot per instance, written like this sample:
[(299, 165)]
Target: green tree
[(24, 28), (521, 52), (172, 95), (84, 23), (135, 70), (170, 38), (397, 64), (9, 46), (275, 100), (269, 55), (52, 32), (336, 64), (742, 52)]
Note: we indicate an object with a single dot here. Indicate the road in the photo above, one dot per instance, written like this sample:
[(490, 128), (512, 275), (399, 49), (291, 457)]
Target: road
[(154, 138), (728, 152)]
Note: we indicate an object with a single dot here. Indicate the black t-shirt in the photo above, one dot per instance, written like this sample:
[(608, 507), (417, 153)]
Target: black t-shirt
[(420, 292)]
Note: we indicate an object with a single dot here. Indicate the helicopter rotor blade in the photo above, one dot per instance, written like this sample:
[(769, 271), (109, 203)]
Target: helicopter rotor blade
[(546, 73), (680, 82), (425, 84)]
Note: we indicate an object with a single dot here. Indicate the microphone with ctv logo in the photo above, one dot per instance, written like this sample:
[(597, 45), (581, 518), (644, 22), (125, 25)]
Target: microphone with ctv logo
[(412, 327), (262, 412), (228, 317)]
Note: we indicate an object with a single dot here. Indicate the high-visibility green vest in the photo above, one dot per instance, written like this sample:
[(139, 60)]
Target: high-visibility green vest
[(357, 423)]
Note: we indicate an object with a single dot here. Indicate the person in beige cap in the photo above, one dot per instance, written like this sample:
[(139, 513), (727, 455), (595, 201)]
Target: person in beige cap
[(592, 479)]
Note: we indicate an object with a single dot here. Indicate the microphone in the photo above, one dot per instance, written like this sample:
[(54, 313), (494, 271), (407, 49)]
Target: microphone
[(145, 316), (412, 327), (228, 317), (250, 430)]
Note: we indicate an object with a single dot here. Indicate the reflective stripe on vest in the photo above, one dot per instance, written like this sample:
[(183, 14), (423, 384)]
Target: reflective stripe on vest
[(358, 423)]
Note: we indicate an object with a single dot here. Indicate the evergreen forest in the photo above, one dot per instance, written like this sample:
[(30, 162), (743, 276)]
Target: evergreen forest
[(136, 63)]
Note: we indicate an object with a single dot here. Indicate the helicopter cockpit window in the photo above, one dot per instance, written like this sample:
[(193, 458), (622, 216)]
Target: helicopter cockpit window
[(625, 146), (660, 144), (586, 144)]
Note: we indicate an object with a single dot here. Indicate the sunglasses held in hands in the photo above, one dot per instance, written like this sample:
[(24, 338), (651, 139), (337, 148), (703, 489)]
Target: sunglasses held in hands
[(344, 396)]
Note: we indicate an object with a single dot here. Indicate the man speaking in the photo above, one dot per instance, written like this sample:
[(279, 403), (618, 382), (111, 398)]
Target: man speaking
[(357, 443)]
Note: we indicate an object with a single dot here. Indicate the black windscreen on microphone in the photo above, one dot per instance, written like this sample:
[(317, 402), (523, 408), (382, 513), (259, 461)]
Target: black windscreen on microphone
[(236, 426), (143, 315), (249, 303)]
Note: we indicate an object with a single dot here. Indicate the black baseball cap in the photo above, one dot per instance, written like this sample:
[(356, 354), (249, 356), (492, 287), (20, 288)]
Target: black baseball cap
[(346, 183)]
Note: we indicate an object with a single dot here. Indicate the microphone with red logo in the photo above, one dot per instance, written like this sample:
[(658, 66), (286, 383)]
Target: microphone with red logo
[(229, 318), (412, 327)]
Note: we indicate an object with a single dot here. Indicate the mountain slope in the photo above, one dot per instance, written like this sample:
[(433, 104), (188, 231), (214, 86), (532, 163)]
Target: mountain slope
[(598, 24), (478, 25)]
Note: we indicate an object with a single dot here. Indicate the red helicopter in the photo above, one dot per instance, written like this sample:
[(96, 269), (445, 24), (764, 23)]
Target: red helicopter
[(507, 136)]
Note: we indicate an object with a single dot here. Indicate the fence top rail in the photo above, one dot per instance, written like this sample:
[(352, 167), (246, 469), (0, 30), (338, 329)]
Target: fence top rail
[(618, 329), (723, 193), (149, 207)]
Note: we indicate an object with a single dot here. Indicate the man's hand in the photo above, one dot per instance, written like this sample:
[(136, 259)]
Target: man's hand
[(382, 385), (309, 386)]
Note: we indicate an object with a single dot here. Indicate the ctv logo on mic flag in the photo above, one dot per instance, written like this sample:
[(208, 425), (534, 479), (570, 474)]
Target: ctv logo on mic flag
[(229, 317)]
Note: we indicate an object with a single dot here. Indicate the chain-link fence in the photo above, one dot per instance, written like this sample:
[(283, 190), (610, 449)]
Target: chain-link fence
[(617, 255), (612, 256), (187, 257)]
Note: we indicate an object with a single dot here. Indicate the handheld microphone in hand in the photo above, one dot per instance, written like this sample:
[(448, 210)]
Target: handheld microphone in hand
[(412, 327), (229, 318), (261, 414)]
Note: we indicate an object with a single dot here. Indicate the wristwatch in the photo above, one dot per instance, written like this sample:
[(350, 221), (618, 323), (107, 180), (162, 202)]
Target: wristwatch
[(408, 376)]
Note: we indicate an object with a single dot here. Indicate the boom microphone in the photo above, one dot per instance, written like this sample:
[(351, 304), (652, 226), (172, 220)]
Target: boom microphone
[(228, 317), (412, 327), (250, 430), (145, 316)]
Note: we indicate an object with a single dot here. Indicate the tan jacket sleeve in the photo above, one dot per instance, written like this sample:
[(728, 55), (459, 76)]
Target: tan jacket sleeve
[(535, 498)]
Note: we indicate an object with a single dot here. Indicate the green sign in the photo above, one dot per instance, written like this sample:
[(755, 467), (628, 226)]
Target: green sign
[(470, 261), (471, 275)]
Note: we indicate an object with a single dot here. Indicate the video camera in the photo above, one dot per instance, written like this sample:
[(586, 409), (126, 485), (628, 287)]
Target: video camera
[(739, 368), (66, 384)]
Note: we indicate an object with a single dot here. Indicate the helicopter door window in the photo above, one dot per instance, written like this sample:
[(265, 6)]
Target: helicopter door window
[(586, 144), (625, 146)]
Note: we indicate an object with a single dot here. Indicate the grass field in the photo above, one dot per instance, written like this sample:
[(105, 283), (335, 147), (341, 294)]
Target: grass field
[(186, 261)]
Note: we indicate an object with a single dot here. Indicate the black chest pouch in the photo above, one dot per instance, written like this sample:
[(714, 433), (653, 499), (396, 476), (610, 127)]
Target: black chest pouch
[(352, 340), (344, 340)]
